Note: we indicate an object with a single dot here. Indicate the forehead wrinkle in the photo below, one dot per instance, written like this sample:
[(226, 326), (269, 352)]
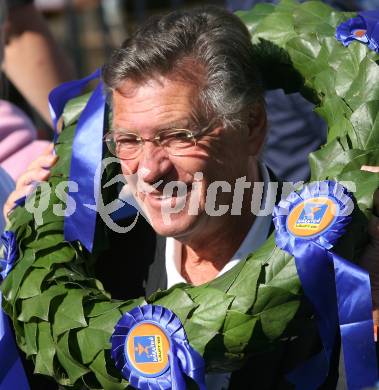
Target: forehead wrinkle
[(148, 107), (177, 124)]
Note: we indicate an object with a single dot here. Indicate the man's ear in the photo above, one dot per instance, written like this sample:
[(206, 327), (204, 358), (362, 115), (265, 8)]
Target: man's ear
[(257, 127)]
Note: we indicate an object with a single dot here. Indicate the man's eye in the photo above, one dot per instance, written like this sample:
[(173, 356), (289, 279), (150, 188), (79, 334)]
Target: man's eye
[(175, 136), (126, 140)]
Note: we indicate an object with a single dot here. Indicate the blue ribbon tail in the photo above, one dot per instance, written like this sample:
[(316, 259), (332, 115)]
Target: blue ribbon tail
[(177, 379), (356, 324), (189, 362), (12, 374), (313, 265), (338, 290), (80, 225)]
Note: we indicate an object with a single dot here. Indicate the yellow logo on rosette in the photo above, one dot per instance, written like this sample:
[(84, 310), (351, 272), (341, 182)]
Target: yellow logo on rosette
[(147, 348), (312, 216)]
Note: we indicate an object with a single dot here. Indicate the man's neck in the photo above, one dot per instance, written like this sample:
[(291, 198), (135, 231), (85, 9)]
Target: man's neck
[(204, 257), (202, 262)]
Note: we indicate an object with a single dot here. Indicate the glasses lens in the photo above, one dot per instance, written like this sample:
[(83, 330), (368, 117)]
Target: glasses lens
[(123, 145), (176, 141)]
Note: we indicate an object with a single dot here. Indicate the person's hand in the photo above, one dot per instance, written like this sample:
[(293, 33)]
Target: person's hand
[(370, 258), (370, 168), (37, 171)]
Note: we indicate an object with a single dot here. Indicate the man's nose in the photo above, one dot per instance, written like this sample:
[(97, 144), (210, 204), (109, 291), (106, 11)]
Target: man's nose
[(154, 163)]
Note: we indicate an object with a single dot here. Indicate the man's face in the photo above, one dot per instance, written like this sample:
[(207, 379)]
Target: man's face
[(220, 155)]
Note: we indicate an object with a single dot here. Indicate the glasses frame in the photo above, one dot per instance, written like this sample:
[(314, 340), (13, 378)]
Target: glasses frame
[(193, 136)]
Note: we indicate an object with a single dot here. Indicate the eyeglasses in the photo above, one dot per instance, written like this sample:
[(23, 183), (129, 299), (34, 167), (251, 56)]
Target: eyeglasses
[(128, 146)]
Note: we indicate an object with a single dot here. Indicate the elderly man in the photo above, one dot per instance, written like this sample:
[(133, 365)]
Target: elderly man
[(187, 108), (186, 100)]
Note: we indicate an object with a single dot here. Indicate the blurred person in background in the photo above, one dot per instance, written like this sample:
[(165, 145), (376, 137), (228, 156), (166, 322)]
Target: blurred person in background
[(13, 121), (33, 61), (35, 64)]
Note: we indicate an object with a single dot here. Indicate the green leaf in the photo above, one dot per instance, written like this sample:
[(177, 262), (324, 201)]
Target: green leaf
[(333, 109), (270, 297), (325, 82), (70, 314), (47, 241), (368, 76), (71, 113), (108, 382), (46, 350), (238, 329), (304, 53), (20, 217), (50, 227), (179, 302), (245, 286), (275, 320), (198, 335), (252, 19), (61, 253), (105, 322), (212, 314), (315, 17), (74, 369), (363, 186), (31, 334), (226, 280), (91, 342), (39, 306), (32, 284), (365, 122), (346, 62), (11, 284), (330, 160), (99, 308), (277, 27), (281, 271)]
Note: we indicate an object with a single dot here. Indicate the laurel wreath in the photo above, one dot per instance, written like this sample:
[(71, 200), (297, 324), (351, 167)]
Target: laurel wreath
[(63, 318)]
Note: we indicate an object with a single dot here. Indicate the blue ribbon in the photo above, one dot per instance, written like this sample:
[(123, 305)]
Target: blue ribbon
[(87, 150), (338, 290), (183, 359), (363, 28), (12, 375), (60, 95), (86, 157)]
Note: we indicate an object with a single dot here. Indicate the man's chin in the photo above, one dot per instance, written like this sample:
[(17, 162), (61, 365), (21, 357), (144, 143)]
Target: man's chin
[(171, 225)]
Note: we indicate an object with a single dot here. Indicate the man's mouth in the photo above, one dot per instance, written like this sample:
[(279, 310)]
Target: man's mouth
[(164, 198)]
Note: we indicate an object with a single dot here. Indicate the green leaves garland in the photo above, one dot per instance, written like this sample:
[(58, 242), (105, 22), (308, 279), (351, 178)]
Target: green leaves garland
[(62, 316)]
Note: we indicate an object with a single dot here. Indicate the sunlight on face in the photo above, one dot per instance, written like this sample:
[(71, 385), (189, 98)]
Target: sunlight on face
[(149, 108)]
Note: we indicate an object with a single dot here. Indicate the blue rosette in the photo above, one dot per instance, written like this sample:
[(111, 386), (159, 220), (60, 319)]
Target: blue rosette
[(150, 348), (363, 28), (307, 225)]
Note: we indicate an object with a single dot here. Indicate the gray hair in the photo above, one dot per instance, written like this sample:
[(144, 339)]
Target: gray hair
[(212, 39)]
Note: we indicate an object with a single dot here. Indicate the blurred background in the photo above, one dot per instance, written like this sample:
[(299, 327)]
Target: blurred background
[(88, 31)]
